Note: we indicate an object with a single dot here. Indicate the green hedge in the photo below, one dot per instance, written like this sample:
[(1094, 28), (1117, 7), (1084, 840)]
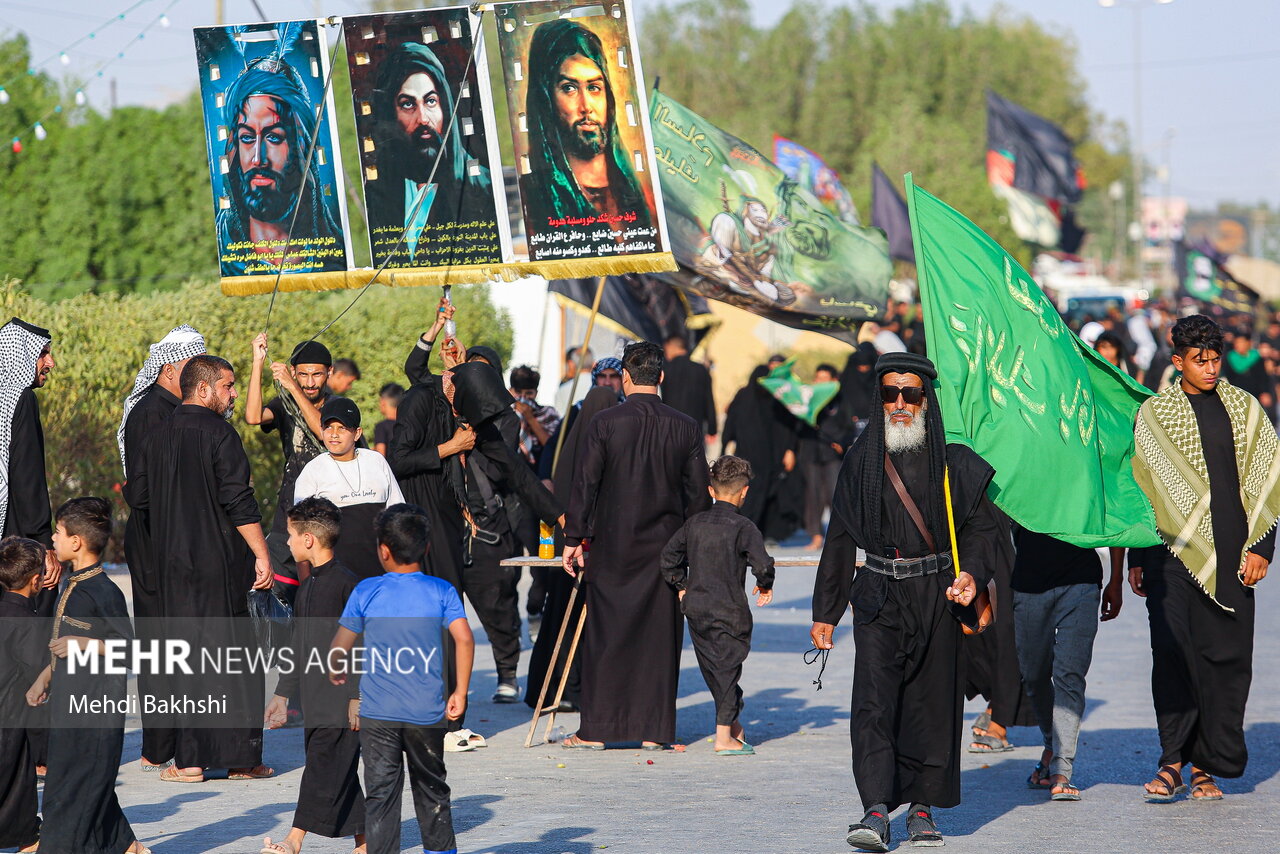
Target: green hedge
[(100, 342)]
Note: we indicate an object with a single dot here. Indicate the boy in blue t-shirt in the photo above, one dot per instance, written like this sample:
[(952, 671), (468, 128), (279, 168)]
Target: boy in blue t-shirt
[(403, 616)]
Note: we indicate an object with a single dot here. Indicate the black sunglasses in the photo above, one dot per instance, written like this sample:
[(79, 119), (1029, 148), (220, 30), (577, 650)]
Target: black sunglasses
[(911, 395)]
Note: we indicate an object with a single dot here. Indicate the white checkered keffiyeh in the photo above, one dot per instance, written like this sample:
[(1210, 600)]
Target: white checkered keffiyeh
[(20, 348), (181, 343)]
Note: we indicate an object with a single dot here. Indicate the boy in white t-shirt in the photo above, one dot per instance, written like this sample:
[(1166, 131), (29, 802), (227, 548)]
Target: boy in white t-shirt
[(357, 480)]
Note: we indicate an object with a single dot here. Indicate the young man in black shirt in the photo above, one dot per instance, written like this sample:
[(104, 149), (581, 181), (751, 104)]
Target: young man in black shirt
[(1055, 609)]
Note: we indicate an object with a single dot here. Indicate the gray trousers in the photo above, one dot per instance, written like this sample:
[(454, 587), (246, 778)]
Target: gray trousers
[(1055, 632)]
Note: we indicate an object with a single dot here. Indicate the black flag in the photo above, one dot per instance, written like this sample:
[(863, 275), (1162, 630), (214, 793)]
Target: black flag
[(889, 212), (641, 307), (1044, 163)]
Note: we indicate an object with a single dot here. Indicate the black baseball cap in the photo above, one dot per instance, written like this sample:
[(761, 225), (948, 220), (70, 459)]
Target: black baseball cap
[(342, 410)]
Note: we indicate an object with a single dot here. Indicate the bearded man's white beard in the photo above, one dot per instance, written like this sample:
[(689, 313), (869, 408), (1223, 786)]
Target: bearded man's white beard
[(902, 438)]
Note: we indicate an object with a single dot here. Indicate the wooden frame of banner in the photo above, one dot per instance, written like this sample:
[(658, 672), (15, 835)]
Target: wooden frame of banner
[(539, 710)]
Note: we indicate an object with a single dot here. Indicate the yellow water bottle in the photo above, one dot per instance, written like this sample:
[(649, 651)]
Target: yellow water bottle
[(546, 544)]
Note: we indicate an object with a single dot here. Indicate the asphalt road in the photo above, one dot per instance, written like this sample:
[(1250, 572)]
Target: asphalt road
[(796, 795)]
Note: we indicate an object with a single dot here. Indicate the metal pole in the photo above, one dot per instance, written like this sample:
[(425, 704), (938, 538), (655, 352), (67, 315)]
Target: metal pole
[(1137, 137)]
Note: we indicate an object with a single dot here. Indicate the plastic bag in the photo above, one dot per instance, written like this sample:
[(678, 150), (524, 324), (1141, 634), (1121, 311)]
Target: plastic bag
[(272, 619)]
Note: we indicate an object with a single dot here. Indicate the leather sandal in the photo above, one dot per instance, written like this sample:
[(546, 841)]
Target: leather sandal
[(1170, 779), (1202, 781)]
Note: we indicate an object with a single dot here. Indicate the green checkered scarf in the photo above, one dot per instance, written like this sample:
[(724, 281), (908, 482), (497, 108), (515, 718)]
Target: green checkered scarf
[(1169, 466)]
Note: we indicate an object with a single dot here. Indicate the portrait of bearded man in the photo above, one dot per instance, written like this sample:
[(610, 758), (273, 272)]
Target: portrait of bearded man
[(269, 119), (413, 101), (578, 164)]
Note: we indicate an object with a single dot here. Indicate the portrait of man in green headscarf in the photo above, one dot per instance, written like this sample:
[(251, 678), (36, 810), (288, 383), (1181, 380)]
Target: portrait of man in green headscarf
[(426, 178), (578, 164)]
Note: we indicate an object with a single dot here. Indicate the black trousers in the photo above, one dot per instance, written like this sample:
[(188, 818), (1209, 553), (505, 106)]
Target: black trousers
[(527, 543), (819, 485), (721, 650), (387, 746), (1201, 668), (491, 590), (905, 721), (19, 821)]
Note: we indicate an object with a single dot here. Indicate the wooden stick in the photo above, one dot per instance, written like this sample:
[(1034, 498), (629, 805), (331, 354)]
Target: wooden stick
[(551, 666), (564, 672), (582, 357)]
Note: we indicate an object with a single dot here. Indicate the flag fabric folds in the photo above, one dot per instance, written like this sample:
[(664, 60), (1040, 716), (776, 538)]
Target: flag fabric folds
[(1031, 165), (1043, 158), (1052, 417), (1202, 276), (812, 172), (641, 307), (746, 234), (804, 401), (889, 212)]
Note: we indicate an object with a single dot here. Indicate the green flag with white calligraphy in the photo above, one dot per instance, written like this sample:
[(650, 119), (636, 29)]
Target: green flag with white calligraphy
[(804, 401), (1051, 416)]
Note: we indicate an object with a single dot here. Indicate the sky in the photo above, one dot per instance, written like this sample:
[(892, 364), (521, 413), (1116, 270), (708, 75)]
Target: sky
[(1209, 100)]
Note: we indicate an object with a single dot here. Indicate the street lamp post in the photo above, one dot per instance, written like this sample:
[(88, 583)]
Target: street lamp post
[(1135, 145)]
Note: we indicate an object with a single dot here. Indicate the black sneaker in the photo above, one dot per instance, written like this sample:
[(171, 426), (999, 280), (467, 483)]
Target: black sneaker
[(507, 692), (921, 831), (870, 834)]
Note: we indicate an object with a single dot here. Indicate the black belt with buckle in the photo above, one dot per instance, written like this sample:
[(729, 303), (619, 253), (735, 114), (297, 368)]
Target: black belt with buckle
[(908, 567)]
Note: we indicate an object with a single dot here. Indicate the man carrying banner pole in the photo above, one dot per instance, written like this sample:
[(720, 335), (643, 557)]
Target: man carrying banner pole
[(908, 498)]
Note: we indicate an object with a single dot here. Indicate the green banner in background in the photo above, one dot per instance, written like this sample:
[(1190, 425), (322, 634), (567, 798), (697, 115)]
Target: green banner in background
[(802, 400), (1051, 416), (746, 234)]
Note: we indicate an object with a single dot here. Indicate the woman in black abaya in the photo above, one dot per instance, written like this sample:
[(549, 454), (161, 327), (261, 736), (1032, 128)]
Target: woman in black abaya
[(559, 584)]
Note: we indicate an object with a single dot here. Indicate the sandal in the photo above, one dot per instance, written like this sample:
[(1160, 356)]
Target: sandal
[(258, 772), (281, 847), (171, 774), (1201, 782), (1064, 792), (989, 744), (980, 724), (1170, 779), (1039, 778), (575, 743)]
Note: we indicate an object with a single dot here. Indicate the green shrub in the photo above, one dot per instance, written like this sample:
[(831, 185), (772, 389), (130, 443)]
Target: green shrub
[(100, 342)]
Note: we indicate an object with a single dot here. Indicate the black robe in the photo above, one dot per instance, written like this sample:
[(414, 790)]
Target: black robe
[(559, 584), (81, 812), (30, 514), (1202, 654), (193, 478), (330, 801), (686, 387), (905, 723), (642, 472), (762, 431), (423, 422), (155, 408), (24, 638)]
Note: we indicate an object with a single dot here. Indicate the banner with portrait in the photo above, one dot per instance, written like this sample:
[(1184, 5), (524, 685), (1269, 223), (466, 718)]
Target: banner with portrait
[(583, 148), (262, 87), (428, 154), (745, 233)]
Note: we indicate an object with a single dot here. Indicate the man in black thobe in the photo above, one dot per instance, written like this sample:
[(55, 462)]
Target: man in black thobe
[(907, 600), (1208, 439), (686, 386), (156, 393), (641, 473), (193, 479), (26, 359)]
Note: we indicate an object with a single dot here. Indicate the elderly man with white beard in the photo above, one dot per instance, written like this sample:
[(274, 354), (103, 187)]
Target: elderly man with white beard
[(908, 599)]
